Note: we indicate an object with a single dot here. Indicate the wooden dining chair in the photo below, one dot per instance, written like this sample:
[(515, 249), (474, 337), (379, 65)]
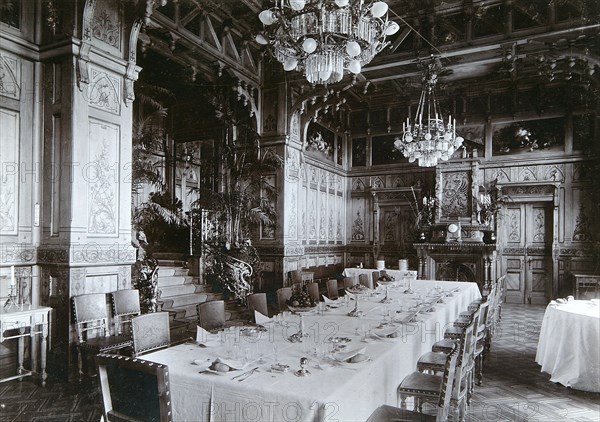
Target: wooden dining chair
[(133, 389), (365, 280), (211, 314), (332, 289), (295, 277), (150, 332), (125, 305), (424, 387), (91, 326), (258, 302), (375, 276), (312, 289), (283, 295), (444, 383), (348, 282)]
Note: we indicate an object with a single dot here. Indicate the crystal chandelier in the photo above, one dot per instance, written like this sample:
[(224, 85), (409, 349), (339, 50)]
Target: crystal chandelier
[(428, 139), (324, 38)]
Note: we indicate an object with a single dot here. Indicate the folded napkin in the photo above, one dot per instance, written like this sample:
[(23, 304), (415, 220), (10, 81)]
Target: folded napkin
[(386, 332), (561, 301), (553, 303), (348, 354), (204, 337), (350, 295), (261, 319), (207, 363), (329, 301)]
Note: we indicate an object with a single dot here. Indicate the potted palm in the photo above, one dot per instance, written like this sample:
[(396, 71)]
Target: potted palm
[(245, 200)]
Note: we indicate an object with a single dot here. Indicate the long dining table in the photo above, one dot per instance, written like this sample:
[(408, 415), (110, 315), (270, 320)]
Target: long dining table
[(390, 327)]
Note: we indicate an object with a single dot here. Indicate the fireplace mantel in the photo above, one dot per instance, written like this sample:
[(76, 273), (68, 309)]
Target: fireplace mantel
[(457, 261)]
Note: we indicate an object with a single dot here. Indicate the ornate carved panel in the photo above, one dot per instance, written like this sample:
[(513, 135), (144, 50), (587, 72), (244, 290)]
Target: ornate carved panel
[(455, 194), (10, 77), (358, 222), (102, 176), (9, 182), (107, 24), (513, 221), (539, 225), (104, 91)]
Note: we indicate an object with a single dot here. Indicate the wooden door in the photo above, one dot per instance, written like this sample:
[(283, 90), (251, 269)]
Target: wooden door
[(526, 245)]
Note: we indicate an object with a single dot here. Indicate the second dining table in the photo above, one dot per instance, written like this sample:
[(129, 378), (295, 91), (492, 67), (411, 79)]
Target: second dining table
[(388, 326)]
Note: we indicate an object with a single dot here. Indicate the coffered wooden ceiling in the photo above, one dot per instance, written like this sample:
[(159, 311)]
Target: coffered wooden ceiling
[(482, 45)]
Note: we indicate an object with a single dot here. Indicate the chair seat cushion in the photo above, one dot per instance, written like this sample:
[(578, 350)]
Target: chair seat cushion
[(387, 413), (453, 333), (445, 345), (462, 322), (432, 360), (106, 343), (422, 384)]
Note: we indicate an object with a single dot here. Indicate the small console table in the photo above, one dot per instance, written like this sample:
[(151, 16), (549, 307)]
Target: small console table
[(29, 321)]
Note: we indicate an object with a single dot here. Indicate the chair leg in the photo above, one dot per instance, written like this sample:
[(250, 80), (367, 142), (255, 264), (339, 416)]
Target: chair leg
[(80, 364)]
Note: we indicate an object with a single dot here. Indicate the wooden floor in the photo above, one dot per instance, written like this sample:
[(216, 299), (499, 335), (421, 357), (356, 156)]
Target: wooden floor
[(514, 389)]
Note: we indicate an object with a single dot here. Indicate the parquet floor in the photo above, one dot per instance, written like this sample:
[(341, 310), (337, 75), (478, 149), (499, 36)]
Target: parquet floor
[(513, 389)]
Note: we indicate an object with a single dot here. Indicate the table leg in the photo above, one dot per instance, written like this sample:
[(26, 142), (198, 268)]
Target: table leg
[(20, 368), (44, 375)]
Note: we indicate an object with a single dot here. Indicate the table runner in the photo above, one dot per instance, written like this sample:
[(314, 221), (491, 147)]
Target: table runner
[(569, 344), (348, 392)]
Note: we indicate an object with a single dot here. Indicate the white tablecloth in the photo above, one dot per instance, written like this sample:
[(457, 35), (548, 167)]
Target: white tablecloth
[(397, 274), (569, 344), (346, 393)]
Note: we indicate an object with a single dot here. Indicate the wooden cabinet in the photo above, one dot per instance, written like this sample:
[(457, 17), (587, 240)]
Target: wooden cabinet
[(586, 286)]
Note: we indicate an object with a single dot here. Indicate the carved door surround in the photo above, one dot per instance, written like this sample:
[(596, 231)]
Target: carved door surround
[(528, 240), (391, 210)]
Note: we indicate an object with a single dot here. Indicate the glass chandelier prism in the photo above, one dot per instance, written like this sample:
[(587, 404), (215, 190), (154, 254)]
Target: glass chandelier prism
[(325, 38), (428, 138)]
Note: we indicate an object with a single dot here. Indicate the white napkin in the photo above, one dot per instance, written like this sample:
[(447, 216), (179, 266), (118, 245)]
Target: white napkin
[(261, 319), (385, 332), (204, 337), (350, 295), (349, 354), (207, 363), (327, 300)]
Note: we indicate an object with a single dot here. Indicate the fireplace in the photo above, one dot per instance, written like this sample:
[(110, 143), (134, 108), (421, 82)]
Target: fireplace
[(458, 261)]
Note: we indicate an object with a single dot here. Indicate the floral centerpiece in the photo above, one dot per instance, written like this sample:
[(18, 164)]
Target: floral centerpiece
[(386, 278)]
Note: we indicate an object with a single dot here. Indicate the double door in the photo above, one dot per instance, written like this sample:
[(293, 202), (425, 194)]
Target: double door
[(525, 238)]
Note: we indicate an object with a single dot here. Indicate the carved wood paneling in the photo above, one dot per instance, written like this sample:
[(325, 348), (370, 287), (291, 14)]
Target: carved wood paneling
[(103, 176), (10, 161)]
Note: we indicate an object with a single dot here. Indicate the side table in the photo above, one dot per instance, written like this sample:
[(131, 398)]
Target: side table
[(29, 321)]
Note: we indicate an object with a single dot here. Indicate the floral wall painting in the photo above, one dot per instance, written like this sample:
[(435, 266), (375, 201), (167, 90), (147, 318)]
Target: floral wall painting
[(383, 150), (529, 137), (359, 152), (320, 141)]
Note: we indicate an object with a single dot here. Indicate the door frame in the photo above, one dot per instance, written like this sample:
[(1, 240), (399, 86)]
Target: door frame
[(529, 192)]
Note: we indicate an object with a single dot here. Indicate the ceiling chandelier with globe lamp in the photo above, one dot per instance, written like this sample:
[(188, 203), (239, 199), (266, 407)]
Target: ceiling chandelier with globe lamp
[(428, 138), (325, 38)]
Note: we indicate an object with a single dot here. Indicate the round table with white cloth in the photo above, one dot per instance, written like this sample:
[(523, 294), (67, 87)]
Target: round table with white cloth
[(569, 344)]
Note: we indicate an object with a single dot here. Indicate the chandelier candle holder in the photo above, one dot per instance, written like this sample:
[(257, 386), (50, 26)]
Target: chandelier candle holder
[(428, 139), (325, 38)]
